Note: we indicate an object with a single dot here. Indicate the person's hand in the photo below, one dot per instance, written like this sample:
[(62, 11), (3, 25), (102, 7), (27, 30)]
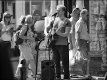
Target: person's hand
[(77, 45)]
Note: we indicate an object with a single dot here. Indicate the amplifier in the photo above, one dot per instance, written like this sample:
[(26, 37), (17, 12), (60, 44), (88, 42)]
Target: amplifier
[(47, 70)]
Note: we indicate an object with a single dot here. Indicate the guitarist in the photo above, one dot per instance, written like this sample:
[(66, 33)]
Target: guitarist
[(61, 27)]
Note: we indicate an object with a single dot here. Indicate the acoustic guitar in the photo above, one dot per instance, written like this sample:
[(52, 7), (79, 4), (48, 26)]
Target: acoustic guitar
[(53, 36)]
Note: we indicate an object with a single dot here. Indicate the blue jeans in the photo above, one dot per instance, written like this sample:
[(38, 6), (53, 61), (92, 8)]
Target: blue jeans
[(61, 52)]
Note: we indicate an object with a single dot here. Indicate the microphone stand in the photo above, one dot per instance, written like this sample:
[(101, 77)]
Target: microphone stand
[(49, 49), (37, 49), (49, 58)]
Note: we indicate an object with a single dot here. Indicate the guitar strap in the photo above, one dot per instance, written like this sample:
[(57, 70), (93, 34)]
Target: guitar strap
[(65, 20)]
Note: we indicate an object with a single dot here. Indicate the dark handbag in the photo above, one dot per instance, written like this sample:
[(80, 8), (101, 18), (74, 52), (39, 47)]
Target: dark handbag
[(18, 39)]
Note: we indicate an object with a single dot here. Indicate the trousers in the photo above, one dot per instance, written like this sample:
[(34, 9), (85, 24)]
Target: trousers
[(61, 53)]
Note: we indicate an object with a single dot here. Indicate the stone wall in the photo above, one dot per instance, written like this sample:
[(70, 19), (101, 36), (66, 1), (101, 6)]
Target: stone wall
[(97, 23)]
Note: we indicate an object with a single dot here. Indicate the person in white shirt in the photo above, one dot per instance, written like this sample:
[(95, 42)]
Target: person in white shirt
[(82, 35), (72, 52), (6, 29), (74, 18)]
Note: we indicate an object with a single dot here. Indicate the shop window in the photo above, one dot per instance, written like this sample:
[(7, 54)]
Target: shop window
[(27, 8)]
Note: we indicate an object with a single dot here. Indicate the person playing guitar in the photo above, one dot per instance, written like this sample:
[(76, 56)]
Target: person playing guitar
[(61, 27)]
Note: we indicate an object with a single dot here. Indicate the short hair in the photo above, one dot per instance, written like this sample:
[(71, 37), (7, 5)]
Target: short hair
[(84, 11), (76, 10), (62, 7)]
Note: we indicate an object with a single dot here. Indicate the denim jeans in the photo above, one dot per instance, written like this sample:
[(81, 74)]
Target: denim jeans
[(61, 52)]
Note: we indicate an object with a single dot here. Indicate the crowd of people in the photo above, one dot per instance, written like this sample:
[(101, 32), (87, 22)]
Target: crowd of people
[(71, 35)]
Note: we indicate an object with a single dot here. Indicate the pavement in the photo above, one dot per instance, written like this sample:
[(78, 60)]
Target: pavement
[(15, 63), (43, 55)]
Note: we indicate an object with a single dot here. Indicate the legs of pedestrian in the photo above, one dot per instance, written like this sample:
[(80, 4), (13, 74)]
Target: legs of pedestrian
[(61, 53)]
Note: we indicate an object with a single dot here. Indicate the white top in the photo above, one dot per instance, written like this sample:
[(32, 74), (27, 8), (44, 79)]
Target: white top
[(81, 27), (6, 36)]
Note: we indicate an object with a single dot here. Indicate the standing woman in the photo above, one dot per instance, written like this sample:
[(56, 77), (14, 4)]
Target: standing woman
[(27, 47), (5, 44), (21, 24)]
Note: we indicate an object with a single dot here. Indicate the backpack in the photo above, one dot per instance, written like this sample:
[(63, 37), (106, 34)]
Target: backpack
[(19, 40)]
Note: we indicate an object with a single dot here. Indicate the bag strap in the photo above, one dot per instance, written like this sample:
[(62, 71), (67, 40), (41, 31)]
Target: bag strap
[(64, 24), (26, 31)]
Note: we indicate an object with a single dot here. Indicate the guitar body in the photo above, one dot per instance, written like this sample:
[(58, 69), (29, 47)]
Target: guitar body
[(52, 35), (52, 40)]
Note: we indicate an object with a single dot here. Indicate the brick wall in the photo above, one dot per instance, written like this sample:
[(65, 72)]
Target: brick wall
[(97, 34)]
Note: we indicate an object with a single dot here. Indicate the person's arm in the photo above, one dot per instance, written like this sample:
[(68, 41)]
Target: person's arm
[(70, 35), (67, 29), (78, 28)]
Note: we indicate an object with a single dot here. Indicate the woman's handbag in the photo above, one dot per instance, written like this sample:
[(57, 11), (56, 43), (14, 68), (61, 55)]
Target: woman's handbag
[(18, 39)]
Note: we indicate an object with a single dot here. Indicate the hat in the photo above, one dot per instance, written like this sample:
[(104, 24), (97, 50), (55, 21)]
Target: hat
[(7, 14), (84, 11)]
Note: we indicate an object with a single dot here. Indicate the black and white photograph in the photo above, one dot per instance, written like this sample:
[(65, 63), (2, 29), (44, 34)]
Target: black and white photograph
[(53, 39)]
